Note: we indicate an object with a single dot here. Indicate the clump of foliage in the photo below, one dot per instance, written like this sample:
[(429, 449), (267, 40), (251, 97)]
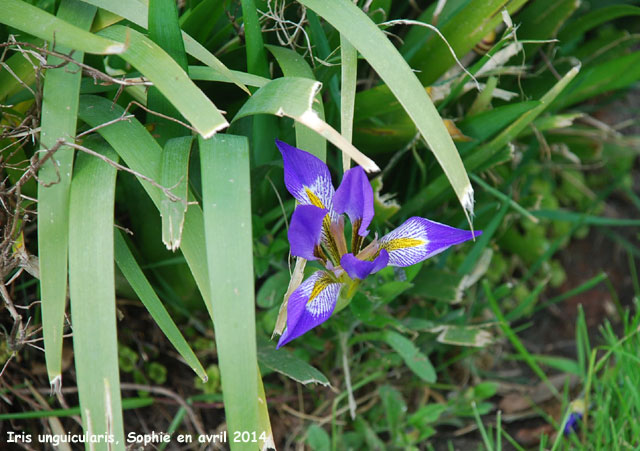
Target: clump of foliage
[(140, 173)]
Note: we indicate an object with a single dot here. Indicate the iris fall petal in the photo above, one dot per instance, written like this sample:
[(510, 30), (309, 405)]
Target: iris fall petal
[(418, 239), (311, 304)]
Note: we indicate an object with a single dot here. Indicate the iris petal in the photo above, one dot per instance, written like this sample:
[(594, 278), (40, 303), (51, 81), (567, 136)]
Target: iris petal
[(360, 269), (306, 177), (311, 304), (354, 197), (418, 239), (305, 231)]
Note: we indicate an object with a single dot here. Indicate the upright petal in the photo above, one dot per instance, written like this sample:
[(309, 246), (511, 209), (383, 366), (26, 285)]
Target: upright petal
[(305, 231), (418, 239), (306, 177), (354, 197), (360, 269), (311, 304)]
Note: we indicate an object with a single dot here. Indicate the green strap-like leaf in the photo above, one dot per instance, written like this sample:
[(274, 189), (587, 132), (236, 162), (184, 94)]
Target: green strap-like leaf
[(347, 92), (293, 97), (165, 31), (138, 281), (92, 293), (226, 200), (59, 117), (137, 12), (142, 153), (170, 79), (485, 153), (33, 20), (287, 363), (294, 65), (374, 46), (174, 174), (594, 18)]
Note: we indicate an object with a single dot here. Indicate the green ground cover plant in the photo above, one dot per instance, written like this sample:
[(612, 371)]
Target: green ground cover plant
[(150, 247)]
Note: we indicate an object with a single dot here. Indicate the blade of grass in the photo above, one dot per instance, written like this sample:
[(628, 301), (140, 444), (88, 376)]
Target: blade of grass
[(174, 173), (515, 341), (511, 132), (129, 403), (92, 294), (475, 253), (480, 157), (483, 432), (589, 284), (572, 216), (349, 77), (136, 11), (293, 97), (294, 65), (170, 80), (138, 281), (226, 202), (35, 21), (58, 120), (385, 59), (504, 198)]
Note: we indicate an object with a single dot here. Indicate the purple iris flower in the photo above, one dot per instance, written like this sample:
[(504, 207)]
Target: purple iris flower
[(316, 233)]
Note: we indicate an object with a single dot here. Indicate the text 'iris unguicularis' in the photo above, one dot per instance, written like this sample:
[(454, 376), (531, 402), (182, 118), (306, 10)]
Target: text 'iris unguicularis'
[(316, 233)]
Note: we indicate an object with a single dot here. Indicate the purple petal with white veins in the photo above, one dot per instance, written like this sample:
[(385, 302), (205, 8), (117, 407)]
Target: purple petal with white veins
[(360, 269), (306, 177), (418, 239), (354, 197), (311, 304), (305, 230)]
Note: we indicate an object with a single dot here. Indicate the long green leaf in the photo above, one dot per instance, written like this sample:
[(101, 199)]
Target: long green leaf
[(165, 31), (264, 127), (206, 73), (466, 28), (142, 153), (594, 18), (349, 77), (226, 200), (170, 79), (137, 12), (138, 281), (485, 153), (415, 360), (287, 363), (59, 117), (293, 97), (374, 46), (294, 65), (34, 21), (92, 293), (174, 173)]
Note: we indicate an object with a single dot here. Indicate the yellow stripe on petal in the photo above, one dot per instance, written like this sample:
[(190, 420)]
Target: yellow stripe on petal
[(322, 283), (314, 199), (401, 243)]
